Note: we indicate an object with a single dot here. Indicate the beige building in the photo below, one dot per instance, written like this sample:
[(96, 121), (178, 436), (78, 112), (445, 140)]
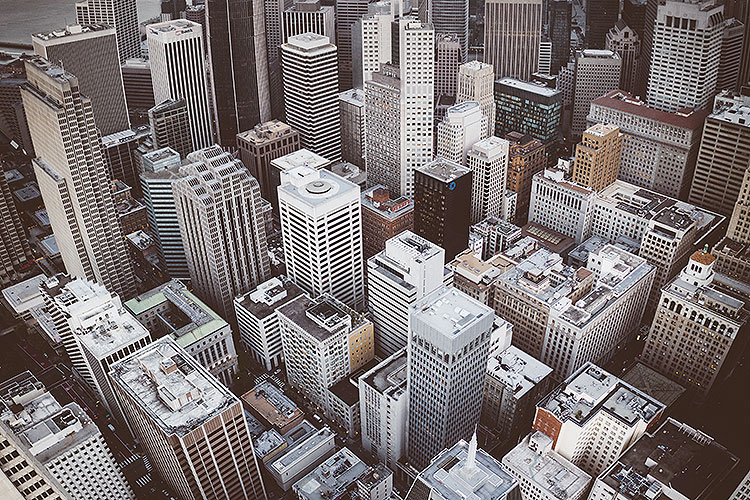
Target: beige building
[(733, 251), (476, 277), (597, 157), (476, 82)]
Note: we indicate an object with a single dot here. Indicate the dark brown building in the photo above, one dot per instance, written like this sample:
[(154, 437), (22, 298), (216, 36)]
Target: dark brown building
[(383, 218), (526, 156)]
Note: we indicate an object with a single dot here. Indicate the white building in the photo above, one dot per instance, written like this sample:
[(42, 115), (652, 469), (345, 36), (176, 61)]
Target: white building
[(301, 458), (311, 97), (488, 160), (561, 204), (178, 70), (596, 73), (327, 259), (333, 478), (544, 64), (409, 268), (476, 82), (463, 126), (259, 330), (308, 16), (685, 56), (594, 416), (383, 407), (371, 41)]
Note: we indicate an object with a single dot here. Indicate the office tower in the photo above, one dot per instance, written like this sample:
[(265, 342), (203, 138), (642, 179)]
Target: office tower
[(634, 16), (624, 41), (559, 32), (451, 18), (731, 55), (172, 9), (593, 416), (274, 13), (383, 406), (526, 157), (408, 269), (170, 126), (323, 342), (311, 92), (240, 87), (300, 457), (260, 146), (130, 212), (512, 32), (383, 218), (139, 91), (181, 414), (449, 341), (529, 108), (683, 463), (601, 15), (442, 204), (551, 477), (743, 489), (82, 215), (352, 117), (488, 161), (383, 130), (447, 60), (561, 205), (684, 62), (308, 16), (224, 236), (461, 128), (122, 15), (120, 151), (371, 42), (596, 73), (259, 329), (597, 157), (15, 252), (329, 260), (31, 479), (13, 123), (475, 83), (706, 311), (722, 158), (545, 56), (659, 149), (178, 71), (161, 168), (347, 13), (90, 53), (733, 258), (63, 439)]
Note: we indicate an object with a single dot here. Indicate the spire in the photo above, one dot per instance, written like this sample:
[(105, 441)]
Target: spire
[(471, 459)]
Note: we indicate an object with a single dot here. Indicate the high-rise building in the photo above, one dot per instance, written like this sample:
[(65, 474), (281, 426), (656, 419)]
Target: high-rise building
[(347, 13), (684, 61), (74, 183), (70, 447), (328, 260), (597, 157), (90, 53), (449, 342), (224, 235), (383, 218), (409, 268), (451, 18), (352, 116), (447, 60), (730, 61), (476, 83), (274, 13), (384, 406), (625, 42), (560, 13), (121, 151), (526, 157), (309, 16), (15, 251), (181, 414), (236, 36), (122, 15), (139, 91), (706, 311), (492, 236), (462, 127), (371, 41), (13, 122), (659, 149), (601, 15), (170, 126), (311, 92), (259, 329), (178, 70), (732, 252), (323, 343), (512, 33), (442, 204), (634, 16), (545, 56), (593, 416), (383, 128), (488, 161), (596, 73), (529, 108), (682, 462), (723, 157), (561, 205)]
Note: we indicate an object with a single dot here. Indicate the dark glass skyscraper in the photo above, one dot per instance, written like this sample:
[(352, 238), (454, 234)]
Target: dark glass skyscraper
[(529, 108), (601, 15), (239, 66), (559, 33)]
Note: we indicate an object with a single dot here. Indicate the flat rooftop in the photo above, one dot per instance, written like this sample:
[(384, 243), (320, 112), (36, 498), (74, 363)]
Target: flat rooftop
[(27, 193), (271, 403), (530, 87), (389, 373), (543, 276), (331, 478), (266, 132), (654, 384), (25, 295), (300, 158), (345, 391), (412, 245), (316, 187), (112, 332), (625, 102), (268, 296), (73, 31), (449, 311), (355, 97), (444, 170), (267, 442), (322, 317), (378, 199), (517, 370)]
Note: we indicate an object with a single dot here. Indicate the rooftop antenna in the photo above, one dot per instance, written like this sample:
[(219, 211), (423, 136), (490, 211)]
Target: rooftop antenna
[(471, 460)]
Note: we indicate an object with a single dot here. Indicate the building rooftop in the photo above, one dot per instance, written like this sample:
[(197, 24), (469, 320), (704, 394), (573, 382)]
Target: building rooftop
[(315, 187), (13, 175), (543, 276), (517, 370), (331, 478), (378, 199), (111, 332), (73, 31), (141, 240), (268, 296), (175, 27), (27, 193), (308, 41), (171, 387), (653, 383), (266, 132), (25, 295), (389, 374), (300, 158), (350, 172), (267, 442), (449, 311), (444, 170), (300, 448), (345, 391), (355, 97), (49, 243), (132, 134), (469, 266), (548, 238), (322, 317), (271, 404), (530, 87), (625, 102)]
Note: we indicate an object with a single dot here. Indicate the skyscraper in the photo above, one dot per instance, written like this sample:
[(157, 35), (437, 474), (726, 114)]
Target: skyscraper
[(451, 17), (512, 32), (15, 251), (476, 83), (309, 16), (462, 126), (274, 12), (488, 161), (596, 73), (352, 115), (347, 13), (122, 15), (311, 92), (559, 33), (383, 129), (178, 71), (601, 15), (529, 108), (371, 41), (236, 35), (686, 50), (526, 157), (330, 260), (139, 91), (90, 53), (448, 348), (625, 42), (732, 255), (730, 61), (447, 60), (74, 183), (170, 126), (598, 157)]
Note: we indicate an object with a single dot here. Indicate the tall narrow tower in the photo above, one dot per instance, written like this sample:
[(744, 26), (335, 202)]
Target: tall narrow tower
[(512, 33), (122, 15)]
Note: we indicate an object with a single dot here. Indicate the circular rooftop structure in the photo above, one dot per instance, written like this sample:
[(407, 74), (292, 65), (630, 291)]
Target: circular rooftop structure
[(319, 187)]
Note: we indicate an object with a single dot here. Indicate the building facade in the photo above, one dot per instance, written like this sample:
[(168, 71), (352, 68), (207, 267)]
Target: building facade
[(170, 126), (488, 161), (383, 218), (597, 158), (512, 33)]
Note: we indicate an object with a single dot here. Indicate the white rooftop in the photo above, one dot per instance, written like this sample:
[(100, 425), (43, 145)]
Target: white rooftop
[(25, 295), (308, 41), (534, 88), (449, 311), (300, 158), (316, 187), (517, 370)]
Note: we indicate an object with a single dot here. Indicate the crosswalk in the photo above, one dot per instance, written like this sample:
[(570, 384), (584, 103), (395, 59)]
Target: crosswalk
[(269, 376), (146, 478)]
